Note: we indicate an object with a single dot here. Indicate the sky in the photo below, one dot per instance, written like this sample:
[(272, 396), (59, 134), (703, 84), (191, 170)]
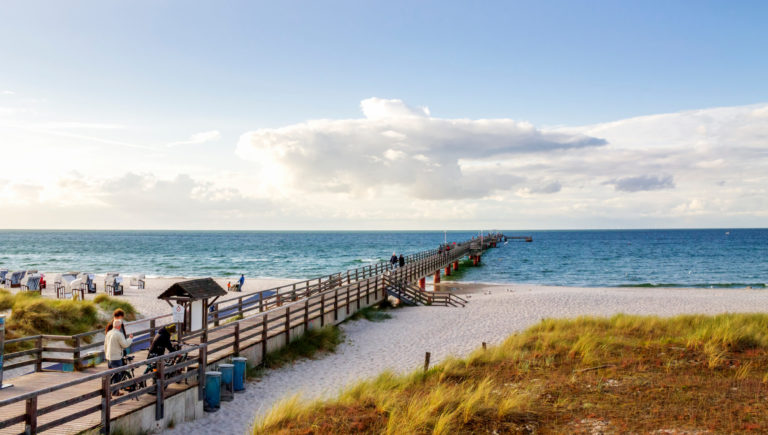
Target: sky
[(383, 115)]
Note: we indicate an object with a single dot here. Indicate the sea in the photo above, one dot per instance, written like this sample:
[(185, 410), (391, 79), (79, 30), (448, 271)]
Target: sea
[(706, 258)]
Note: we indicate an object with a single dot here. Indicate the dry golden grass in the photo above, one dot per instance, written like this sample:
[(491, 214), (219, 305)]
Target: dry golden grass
[(688, 374)]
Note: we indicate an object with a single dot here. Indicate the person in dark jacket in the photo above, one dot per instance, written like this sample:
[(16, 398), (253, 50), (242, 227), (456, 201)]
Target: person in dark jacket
[(160, 343), (401, 260), (393, 260)]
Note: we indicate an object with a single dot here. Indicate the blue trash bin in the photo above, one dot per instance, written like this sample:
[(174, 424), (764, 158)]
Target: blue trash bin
[(212, 391), (227, 386), (239, 375)]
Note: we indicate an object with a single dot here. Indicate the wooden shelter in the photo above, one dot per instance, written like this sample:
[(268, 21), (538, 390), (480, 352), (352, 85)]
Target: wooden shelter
[(195, 296)]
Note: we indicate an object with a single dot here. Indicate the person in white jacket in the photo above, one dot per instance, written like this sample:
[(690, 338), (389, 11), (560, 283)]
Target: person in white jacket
[(114, 343)]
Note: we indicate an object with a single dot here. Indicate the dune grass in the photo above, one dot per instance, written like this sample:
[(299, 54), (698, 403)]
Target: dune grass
[(34, 315), (371, 314), (311, 343), (110, 304), (637, 374)]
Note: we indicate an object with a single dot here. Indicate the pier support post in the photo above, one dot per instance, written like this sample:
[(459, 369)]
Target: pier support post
[(448, 270), (456, 265), (437, 276), (423, 283)]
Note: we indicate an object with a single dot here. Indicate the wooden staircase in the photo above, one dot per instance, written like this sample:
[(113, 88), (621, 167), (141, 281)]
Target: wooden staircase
[(410, 294)]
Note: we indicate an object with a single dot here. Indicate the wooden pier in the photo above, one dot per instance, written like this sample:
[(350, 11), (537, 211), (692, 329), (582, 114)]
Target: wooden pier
[(73, 402)]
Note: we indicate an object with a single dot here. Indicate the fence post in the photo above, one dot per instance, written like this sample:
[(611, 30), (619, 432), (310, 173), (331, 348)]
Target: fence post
[(201, 363), (263, 337), (322, 310), (76, 354), (358, 295), (30, 418), (159, 389), (336, 305), (151, 330), (261, 302), (106, 404), (236, 344), (240, 306), (216, 315), (39, 361), (287, 325), (306, 314), (426, 361)]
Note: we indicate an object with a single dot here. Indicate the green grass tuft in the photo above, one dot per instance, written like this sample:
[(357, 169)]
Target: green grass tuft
[(110, 304), (308, 345), (372, 314)]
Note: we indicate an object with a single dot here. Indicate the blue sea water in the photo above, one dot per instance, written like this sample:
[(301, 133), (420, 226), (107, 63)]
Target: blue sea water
[(702, 258)]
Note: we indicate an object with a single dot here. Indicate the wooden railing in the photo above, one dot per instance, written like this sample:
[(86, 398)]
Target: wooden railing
[(31, 415)]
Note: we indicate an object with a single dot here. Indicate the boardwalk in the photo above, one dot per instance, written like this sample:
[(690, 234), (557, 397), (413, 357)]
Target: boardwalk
[(73, 402)]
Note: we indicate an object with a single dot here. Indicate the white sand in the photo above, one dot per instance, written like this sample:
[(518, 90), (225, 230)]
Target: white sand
[(400, 343)]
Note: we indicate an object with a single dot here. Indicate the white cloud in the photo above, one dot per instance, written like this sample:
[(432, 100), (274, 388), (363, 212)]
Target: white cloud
[(397, 145), (7, 92), (198, 138)]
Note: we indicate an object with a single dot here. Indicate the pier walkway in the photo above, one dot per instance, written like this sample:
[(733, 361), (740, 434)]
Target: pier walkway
[(248, 326)]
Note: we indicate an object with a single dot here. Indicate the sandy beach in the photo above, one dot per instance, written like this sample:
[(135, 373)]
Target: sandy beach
[(494, 312)]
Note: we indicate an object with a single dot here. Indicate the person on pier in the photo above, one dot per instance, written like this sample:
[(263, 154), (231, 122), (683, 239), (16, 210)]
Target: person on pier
[(114, 344), (401, 261), (393, 260)]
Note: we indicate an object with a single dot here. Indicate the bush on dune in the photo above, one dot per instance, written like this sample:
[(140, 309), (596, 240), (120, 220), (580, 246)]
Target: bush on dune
[(620, 374), (110, 304)]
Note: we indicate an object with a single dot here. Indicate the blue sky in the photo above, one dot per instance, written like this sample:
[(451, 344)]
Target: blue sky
[(160, 72), (273, 63)]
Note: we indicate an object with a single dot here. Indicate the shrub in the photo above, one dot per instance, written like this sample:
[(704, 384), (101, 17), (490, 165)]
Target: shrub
[(110, 304)]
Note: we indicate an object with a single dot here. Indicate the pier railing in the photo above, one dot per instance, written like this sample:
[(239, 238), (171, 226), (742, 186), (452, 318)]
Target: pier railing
[(94, 393)]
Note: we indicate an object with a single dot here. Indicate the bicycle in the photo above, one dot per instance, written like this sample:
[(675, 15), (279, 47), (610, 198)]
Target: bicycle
[(129, 374)]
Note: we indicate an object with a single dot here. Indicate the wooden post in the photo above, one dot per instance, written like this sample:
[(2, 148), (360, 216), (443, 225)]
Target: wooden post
[(358, 295), (151, 330), (367, 292), (287, 325), (236, 343), (348, 278), (106, 404), (263, 337), (159, 389), (30, 418), (426, 361), (347, 302), (306, 314), (76, 354), (336, 305), (322, 310), (39, 360), (261, 302), (216, 314), (202, 362), (240, 306), (483, 345)]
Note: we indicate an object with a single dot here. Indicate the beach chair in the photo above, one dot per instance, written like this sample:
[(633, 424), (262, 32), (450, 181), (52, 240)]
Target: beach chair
[(77, 289), (15, 278), (113, 284), (63, 285), (31, 283), (88, 284), (138, 281), (3, 274)]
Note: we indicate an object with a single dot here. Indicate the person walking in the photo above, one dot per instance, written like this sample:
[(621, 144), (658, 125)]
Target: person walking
[(401, 261), (242, 281), (393, 260), (114, 344)]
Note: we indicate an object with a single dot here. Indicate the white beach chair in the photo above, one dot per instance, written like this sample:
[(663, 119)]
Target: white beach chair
[(63, 286), (113, 283), (77, 289), (138, 281), (31, 282)]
